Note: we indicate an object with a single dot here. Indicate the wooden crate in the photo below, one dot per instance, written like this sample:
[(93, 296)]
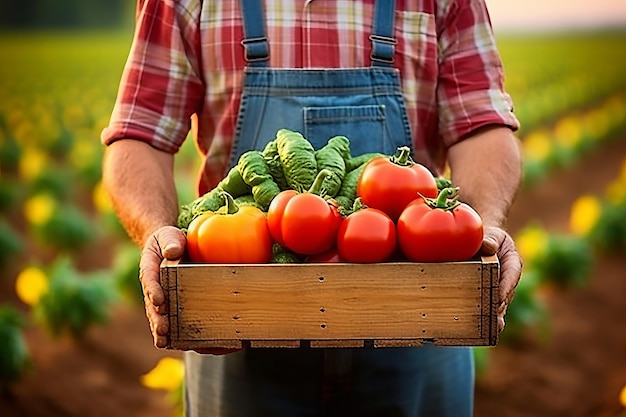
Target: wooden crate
[(331, 305)]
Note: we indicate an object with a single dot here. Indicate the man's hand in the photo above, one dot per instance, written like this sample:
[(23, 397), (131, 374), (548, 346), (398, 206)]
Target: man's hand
[(167, 242), (498, 242)]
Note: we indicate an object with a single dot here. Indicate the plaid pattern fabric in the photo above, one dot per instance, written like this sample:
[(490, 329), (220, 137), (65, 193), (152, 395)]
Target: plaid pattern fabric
[(184, 70)]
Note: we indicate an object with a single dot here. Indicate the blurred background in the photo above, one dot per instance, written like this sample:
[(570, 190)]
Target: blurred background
[(73, 337)]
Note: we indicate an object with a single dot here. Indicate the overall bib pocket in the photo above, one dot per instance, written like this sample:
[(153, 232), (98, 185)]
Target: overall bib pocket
[(365, 126)]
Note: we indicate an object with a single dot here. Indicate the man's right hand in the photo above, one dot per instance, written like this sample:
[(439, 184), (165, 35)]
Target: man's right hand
[(166, 243)]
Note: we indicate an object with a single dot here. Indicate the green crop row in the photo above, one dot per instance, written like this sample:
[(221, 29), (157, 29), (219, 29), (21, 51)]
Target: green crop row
[(549, 75)]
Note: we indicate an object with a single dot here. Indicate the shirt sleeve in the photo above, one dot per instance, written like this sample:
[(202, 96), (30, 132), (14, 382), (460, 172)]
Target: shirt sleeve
[(161, 85), (471, 90)]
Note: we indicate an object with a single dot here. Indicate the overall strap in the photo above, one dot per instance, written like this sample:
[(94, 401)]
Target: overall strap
[(255, 43), (383, 42)]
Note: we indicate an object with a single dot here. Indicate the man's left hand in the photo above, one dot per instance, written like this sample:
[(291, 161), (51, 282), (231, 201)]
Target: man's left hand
[(498, 242)]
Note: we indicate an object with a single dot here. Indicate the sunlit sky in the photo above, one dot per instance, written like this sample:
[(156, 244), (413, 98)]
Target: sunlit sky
[(528, 15)]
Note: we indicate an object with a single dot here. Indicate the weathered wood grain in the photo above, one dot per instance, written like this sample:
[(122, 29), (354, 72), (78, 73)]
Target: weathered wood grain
[(331, 305)]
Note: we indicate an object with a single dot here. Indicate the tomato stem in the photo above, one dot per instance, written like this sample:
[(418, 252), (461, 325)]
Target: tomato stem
[(402, 156), (447, 199), (442, 183), (230, 206), (356, 206), (317, 186)]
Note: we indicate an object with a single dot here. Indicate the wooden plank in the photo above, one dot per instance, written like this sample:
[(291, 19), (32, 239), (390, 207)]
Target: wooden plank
[(383, 343), (275, 343), (340, 343), (494, 269), (205, 344), (168, 280), (485, 283), (330, 305)]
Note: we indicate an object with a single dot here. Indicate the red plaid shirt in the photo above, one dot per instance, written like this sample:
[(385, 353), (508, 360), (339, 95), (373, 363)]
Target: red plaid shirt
[(186, 64)]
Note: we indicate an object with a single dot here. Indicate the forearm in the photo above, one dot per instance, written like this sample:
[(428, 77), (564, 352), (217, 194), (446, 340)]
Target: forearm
[(140, 181), (487, 168)]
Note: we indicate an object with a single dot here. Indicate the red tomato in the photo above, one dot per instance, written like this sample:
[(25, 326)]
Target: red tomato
[(389, 184), (234, 235), (439, 230), (304, 223), (275, 214), (366, 235)]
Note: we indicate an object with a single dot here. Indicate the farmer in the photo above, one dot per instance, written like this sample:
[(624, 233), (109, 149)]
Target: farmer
[(425, 74)]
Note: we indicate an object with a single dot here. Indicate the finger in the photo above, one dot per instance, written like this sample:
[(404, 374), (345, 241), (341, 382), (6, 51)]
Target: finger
[(160, 342), (497, 241), (511, 270), (492, 239), (159, 323), (501, 314), (159, 326), (149, 271), (166, 242), (153, 292), (161, 309), (171, 242)]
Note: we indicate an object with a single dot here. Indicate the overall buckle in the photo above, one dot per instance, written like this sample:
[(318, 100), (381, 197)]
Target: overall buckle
[(256, 49), (388, 45)]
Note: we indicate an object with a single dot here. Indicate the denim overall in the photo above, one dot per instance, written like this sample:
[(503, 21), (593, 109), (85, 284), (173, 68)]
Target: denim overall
[(365, 105)]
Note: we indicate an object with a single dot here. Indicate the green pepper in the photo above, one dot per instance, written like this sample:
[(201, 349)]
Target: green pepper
[(281, 255), (356, 161), (297, 156), (256, 174), (210, 201), (185, 216), (234, 184), (347, 192), (272, 159), (247, 200), (332, 156)]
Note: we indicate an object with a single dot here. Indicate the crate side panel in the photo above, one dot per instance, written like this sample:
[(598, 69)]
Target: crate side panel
[(168, 280), (495, 303), (379, 301)]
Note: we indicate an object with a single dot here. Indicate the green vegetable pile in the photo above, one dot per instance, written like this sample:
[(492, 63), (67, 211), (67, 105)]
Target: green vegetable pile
[(289, 161)]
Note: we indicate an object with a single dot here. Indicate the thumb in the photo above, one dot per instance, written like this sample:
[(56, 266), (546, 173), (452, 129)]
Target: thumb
[(491, 241), (172, 242)]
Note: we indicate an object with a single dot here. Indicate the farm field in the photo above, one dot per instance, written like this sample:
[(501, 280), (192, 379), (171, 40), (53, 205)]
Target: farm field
[(70, 307)]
